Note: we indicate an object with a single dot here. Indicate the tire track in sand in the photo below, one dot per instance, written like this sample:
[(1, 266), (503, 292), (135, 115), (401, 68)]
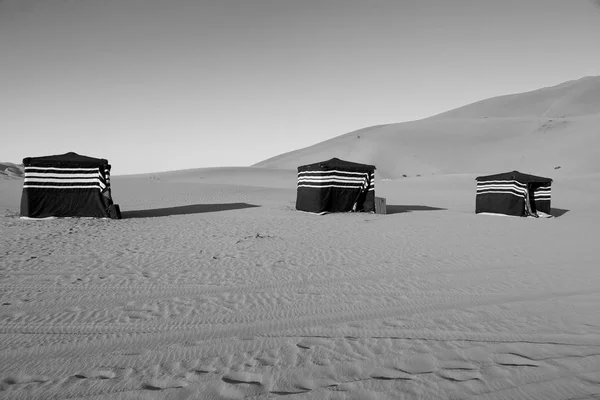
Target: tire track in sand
[(254, 324)]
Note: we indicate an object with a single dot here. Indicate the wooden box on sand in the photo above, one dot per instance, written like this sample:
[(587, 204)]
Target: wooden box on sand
[(380, 206)]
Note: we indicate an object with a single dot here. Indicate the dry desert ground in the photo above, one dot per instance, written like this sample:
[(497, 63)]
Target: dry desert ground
[(213, 287)]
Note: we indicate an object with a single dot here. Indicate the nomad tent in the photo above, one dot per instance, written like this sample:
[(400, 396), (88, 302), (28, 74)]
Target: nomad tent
[(513, 193), (336, 186), (66, 185)]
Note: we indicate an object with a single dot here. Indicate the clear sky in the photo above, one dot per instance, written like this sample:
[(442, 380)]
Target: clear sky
[(156, 85)]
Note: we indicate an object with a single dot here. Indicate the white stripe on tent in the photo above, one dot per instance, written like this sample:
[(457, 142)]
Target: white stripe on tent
[(317, 182), (361, 183), (334, 179), (329, 186), (506, 187), (331, 178), (64, 176), (490, 189), (501, 182), (498, 190), (325, 176), (496, 185), (514, 193), (52, 180), (60, 187), (502, 192), (79, 183)]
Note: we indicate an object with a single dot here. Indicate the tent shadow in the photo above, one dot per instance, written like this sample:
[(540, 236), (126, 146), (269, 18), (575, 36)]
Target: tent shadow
[(182, 210), (397, 209), (558, 212)]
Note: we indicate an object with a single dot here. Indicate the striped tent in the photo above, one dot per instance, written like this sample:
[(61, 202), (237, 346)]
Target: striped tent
[(513, 193), (66, 185), (336, 186)]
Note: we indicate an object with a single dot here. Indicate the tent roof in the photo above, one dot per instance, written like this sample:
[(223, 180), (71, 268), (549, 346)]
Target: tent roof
[(65, 160), (515, 175), (336, 163)]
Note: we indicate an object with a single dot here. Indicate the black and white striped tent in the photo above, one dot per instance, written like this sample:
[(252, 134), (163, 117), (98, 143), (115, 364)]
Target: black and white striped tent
[(513, 193), (336, 186), (66, 185)]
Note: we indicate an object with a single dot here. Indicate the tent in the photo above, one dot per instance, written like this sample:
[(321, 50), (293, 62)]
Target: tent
[(336, 186), (513, 193), (66, 185)]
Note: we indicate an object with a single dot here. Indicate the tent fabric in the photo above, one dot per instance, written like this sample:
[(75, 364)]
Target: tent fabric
[(514, 175), (336, 163), (513, 193), (336, 186), (72, 160), (67, 185)]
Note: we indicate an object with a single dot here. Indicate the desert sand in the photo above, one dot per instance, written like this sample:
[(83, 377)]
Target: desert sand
[(534, 132), (212, 286)]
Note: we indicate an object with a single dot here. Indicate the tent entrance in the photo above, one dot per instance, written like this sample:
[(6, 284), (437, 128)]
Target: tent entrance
[(529, 205), (362, 197)]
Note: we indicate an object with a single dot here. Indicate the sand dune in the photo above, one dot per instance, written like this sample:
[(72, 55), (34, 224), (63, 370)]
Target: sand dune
[(212, 286), (10, 170), (499, 134), (569, 99)]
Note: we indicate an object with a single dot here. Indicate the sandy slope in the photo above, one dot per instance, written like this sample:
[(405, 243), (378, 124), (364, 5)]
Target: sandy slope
[(10, 170), (573, 98), (533, 132), (213, 287)]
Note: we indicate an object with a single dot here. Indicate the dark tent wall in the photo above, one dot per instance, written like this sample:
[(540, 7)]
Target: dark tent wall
[(66, 185), (513, 193), (336, 186)]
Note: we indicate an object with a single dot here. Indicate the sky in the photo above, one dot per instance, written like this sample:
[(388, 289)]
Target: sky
[(159, 85)]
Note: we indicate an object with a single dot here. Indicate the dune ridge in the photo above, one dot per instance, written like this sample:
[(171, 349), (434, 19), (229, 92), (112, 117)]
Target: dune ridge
[(536, 132), (10, 170), (568, 99)]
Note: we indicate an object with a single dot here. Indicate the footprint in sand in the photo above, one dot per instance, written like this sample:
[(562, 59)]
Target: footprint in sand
[(23, 378), (418, 364), (390, 374), (459, 375), (243, 377), (513, 360), (204, 369), (96, 375), (162, 384), (309, 343)]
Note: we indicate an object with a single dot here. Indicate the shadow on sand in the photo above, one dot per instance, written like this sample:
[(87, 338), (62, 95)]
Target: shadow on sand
[(558, 212), (397, 209), (191, 209)]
